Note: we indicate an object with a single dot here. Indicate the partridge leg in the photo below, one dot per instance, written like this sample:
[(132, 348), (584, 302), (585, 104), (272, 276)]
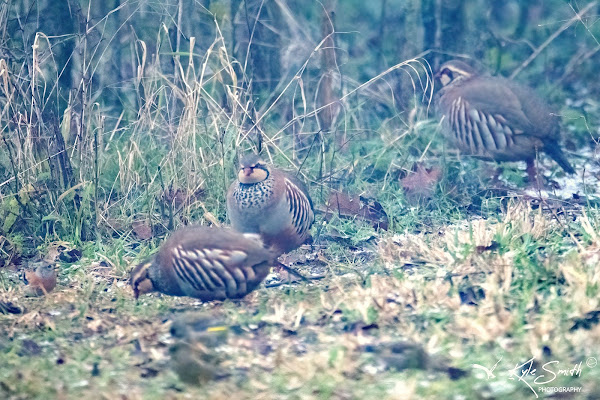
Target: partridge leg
[(532, 173), (291, 271)]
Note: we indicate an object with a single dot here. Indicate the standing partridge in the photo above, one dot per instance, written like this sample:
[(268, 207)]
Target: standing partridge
[(41, 280), (205, 263), (272, 203), (497, 119)]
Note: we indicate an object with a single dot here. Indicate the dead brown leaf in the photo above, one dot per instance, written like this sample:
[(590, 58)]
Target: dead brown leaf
[(178, 197), (142, 229), (351, 206), (419, 186)]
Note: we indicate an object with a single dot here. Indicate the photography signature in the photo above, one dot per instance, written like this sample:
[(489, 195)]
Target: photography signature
[(534, 378)]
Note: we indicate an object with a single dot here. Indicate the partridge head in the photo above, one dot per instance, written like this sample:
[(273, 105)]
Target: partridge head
[(207, 263), (270, 202), (495, 118)]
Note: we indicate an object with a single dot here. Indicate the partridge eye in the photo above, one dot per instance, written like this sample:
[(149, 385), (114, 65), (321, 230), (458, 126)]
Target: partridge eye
[(448, 73)]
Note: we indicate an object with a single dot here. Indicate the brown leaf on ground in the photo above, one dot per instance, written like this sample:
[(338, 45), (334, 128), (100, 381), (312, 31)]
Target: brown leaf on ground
[(142, 229), (352, 206), (55, 249), (96, 325), (179, 197), (419, 186)]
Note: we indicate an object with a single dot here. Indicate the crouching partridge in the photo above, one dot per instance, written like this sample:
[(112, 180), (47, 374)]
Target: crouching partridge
[(272, 203), (205, 263), (495, 118)]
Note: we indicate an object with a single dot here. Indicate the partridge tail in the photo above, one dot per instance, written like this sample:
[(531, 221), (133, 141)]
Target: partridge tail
[(554, 151)]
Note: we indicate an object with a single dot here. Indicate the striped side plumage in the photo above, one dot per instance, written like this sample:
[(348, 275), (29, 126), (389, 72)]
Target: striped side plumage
[(212, 269), (478, 132), (300, 207), (206, 263)]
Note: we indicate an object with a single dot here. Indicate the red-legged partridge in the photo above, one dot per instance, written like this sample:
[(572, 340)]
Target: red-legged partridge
[(272, 203), (495, 118), (205, 263)]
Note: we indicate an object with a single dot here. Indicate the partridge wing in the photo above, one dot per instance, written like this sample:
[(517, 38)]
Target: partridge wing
[(496, 97), (300, 206), (213, 270)]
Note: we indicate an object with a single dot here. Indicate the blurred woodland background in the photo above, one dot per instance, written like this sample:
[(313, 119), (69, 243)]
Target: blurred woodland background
[(124, 118)]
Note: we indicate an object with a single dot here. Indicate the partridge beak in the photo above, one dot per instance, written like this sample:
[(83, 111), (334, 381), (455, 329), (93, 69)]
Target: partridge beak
[(248, 171)]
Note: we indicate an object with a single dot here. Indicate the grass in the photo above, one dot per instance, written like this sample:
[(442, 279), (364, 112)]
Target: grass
[(475, 291), (474, 274)]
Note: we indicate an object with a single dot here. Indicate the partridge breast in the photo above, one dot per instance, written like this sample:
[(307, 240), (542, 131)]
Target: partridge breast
[(279, 209)]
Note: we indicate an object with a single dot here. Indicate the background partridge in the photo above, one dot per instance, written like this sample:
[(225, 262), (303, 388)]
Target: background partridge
[(272, 203), (206, 263), (497, 119)]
